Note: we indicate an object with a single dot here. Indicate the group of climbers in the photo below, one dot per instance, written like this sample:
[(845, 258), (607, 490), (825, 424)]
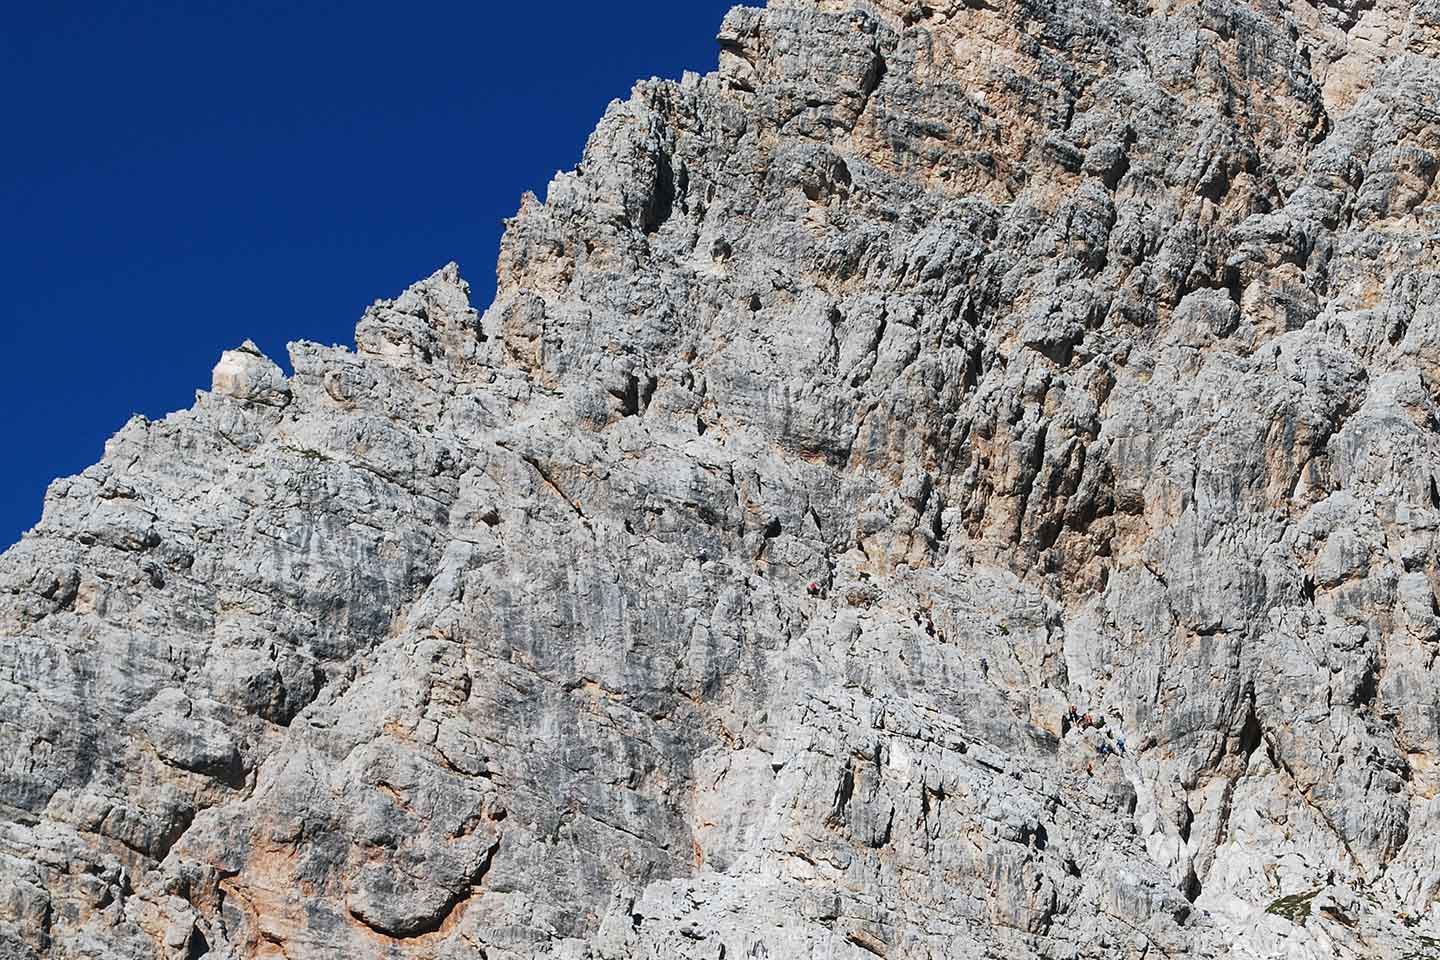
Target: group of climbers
[(923, 619), (1084, 721), (1108, 745)]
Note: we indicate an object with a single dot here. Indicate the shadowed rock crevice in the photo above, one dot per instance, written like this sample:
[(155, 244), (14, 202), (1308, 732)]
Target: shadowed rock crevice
[(446, 911)]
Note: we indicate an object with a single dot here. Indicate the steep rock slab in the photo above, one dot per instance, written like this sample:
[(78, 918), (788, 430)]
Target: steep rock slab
[(847, 416)]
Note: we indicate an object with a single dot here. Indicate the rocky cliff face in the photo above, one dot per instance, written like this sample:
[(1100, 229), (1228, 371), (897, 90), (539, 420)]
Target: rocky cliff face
[(723, 590)]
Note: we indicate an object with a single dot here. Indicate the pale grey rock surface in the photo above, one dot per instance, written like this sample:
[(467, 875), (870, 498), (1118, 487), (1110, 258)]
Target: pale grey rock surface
[(1079, 353)]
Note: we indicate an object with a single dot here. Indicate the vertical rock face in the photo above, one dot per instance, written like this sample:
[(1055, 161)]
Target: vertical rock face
[(723, 590)]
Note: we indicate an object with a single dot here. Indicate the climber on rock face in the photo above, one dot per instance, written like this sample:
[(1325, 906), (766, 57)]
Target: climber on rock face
[(813, 589), (984, 667)]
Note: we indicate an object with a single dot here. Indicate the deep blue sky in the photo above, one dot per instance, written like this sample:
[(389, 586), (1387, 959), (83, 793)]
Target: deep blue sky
[(179, 175)]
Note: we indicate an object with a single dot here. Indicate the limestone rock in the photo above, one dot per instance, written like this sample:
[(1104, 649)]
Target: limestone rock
[(723, 589), (247, 374)]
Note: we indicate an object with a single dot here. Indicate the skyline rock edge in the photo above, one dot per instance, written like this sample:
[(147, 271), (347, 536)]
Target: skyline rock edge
[(722, 590)]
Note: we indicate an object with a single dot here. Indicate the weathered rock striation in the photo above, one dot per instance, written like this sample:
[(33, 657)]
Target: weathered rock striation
[(721, 592)]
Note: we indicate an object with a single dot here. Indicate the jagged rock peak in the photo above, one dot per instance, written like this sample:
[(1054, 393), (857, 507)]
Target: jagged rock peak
[(958, 480)]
